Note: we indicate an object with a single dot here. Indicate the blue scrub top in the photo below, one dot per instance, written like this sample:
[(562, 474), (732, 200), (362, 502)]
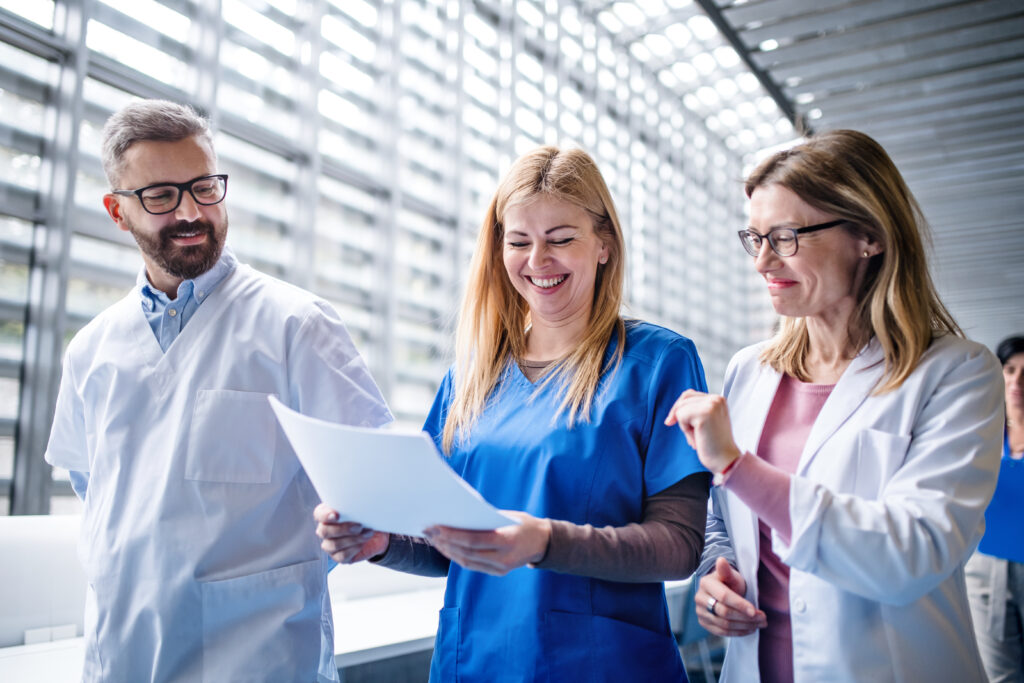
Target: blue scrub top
[(1004, 533), (539, 625)]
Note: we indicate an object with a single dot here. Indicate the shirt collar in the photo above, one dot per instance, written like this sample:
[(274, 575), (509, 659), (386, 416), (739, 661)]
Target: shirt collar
[(200, 287)]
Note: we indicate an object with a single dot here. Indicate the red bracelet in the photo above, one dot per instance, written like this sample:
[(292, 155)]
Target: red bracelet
[(730, 465), (719, 478)]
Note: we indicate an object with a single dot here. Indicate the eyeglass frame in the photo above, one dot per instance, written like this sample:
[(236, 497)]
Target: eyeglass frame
[(182, 188), (795, 231)]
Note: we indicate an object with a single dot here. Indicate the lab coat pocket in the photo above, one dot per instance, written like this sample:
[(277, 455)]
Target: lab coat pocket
[(879, 455), (264, 626), (232, 439), (585, 647), (444, 665)]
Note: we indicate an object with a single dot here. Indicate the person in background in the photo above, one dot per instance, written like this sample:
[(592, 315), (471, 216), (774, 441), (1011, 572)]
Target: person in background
[(854, 452), (196, 543), (995, 574), (553, 409)]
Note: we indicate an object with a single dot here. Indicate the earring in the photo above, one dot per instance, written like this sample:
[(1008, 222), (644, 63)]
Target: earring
[(604, 259), (866, 253)]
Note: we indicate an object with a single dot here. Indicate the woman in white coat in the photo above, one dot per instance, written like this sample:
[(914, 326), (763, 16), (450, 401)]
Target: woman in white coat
[(854, 452)]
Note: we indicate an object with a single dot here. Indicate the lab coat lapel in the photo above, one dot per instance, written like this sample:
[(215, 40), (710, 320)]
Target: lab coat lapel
[(146, 345), (749, 416), (856, 384), (753, 412), (200, 322), (160, 377)]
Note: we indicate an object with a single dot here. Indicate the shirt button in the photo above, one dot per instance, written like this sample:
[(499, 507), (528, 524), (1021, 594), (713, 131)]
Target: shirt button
[(171, 312), (799, 605)]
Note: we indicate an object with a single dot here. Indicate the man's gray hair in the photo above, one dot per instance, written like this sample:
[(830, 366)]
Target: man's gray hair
[(148, 120)]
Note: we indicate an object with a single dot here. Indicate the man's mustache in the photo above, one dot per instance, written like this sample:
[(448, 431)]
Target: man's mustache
[(185, 228)]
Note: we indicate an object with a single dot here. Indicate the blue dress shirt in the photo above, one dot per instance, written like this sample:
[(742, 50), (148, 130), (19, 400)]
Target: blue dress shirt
[(168, 317)]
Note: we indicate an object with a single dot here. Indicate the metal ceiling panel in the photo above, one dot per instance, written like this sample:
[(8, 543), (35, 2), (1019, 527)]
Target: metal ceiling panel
[(949, 45), (902, 114), (929, 23), (808, 21), (745, 14), (956, 133), (834, 75), (947, 83)]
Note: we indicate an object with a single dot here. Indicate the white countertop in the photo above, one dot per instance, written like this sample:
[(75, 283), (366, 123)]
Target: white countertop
[(370, 623)]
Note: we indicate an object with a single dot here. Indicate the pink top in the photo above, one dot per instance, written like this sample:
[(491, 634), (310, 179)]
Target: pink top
[(763, 484)]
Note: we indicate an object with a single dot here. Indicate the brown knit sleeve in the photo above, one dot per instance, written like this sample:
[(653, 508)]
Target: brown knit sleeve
[(665, 545), (412, 555)]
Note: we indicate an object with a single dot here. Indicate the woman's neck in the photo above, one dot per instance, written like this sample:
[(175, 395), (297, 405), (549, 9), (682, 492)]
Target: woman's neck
[(1015, 430), (548, 341), (547, 344), (831, 348)]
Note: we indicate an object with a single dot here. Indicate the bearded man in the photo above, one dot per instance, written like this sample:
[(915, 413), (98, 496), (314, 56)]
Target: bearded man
[(201, 559)]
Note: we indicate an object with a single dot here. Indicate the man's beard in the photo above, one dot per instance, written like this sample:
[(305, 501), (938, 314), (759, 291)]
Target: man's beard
[(183, 262)]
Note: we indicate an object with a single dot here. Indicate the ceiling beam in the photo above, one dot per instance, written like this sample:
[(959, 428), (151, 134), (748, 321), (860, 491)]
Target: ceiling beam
[(922, 47), (824, 81), (949, 82), (951, 103), (767, 82), (843, 18), (934, 23)]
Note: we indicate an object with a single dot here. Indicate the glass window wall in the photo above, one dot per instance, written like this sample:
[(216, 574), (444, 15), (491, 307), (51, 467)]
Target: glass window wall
[(364, 141)]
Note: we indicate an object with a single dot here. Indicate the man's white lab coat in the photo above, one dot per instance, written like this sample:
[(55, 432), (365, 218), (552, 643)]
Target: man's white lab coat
[(197, 533)]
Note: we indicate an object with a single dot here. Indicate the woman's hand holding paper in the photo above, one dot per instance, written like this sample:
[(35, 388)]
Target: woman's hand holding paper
[(347, 542), (494, 552)]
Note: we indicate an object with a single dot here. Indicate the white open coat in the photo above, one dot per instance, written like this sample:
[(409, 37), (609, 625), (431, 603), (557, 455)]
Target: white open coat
[(197, 531), (886, 504)]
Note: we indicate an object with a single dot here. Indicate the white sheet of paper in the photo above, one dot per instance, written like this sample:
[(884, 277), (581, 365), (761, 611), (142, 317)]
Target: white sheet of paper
[(384, 479)]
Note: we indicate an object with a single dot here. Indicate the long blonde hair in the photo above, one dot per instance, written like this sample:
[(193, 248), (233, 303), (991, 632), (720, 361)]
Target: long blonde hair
[(494, 318), (847, 173)]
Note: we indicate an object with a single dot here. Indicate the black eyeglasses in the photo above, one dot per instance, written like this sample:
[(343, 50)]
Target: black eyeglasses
[(166, 197), (782, 240)]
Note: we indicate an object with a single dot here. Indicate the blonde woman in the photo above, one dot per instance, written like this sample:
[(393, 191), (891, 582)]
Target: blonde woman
[(553, 408), (856, 451)]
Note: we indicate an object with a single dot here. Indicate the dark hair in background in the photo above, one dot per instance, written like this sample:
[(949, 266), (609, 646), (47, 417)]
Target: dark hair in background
[(1010, 346)]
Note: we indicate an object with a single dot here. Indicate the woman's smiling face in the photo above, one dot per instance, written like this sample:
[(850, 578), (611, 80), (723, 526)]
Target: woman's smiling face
[(822, 278), (551, 254)]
